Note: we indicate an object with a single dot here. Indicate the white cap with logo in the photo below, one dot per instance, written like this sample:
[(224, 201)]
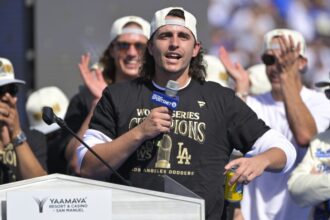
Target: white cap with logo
[(118, 27), (7, 75), (160, 20), (48, 96), (215, 70), (296, 36)]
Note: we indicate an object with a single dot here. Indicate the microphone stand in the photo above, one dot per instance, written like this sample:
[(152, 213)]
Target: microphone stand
[(62, 124)]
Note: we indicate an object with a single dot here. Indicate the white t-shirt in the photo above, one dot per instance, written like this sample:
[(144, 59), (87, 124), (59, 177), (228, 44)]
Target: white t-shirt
[(267, 197)]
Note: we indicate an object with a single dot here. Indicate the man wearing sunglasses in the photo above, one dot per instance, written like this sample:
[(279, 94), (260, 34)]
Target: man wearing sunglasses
[(120, 62), (290, 108), (17, 159)]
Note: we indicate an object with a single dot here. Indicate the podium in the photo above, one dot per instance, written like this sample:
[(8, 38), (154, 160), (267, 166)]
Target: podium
[(126, 202)]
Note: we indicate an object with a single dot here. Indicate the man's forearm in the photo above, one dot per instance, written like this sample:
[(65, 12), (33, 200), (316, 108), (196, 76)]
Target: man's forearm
[(114, 153), (302, 124), (300, 119), (28, 164), (275, 159)]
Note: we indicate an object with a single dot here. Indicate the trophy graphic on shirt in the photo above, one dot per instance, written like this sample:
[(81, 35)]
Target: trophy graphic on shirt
[(164, 152)]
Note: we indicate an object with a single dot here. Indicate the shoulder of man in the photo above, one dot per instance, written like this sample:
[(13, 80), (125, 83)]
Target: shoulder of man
[(126, 86)]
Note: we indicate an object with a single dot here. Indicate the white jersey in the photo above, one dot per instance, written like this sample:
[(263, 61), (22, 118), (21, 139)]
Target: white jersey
[(267, 197)]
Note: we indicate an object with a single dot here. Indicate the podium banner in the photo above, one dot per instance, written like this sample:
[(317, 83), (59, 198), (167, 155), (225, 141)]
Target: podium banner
[(64, 205)]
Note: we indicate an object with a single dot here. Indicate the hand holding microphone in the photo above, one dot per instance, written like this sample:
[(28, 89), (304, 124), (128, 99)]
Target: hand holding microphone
[(161, 117), (168, 103), (157, 122)]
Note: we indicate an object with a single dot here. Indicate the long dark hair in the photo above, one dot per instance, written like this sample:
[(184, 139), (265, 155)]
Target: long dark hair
[(196, 68), (108, 64)]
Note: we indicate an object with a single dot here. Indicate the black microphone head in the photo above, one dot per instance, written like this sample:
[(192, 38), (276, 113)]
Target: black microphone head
[(48, 115)]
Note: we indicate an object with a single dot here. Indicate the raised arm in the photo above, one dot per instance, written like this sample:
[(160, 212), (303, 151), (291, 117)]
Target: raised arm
[(94, 81), (301, 121)]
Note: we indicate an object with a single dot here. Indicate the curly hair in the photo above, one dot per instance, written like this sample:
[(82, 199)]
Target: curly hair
[(108, 64), (196, 68)]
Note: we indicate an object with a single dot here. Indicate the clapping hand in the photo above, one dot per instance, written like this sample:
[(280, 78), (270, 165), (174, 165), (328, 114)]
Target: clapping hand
[(236, 71), (93, 79), (10, 126)]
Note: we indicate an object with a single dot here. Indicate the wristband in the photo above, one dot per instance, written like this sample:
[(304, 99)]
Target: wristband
[(19, 139)]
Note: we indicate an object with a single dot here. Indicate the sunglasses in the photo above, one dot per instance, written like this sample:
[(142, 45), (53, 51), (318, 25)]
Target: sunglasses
[(268, 59), (12, 89), (124, 46), (327, 93)]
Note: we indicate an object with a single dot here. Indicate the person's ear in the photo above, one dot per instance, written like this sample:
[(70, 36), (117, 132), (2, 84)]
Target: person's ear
[(150, 47), (196, 49)]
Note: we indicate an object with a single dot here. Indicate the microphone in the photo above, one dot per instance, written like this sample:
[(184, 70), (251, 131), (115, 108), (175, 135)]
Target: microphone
[(172, 88), (164, 141), (49, 118), (169, 99)]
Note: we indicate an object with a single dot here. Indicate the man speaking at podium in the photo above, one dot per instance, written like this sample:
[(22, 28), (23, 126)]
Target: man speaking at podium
[(188, 134)]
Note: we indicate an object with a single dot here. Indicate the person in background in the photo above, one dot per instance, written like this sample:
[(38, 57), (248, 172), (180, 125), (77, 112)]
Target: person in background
[(23, 152), (120, 62), (290, 108), (309, 183), (55, 98), (191, 144)]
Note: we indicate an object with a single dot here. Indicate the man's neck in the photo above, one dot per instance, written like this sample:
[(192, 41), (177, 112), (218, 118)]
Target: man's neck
[(277, 95), (161, 78), (121, 77)]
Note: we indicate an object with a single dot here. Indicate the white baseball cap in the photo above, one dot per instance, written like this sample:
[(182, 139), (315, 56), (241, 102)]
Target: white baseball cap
[(7, 75), (259, 80), (296, 36), (215, 70), (118, 27), (160, 20), (47, 96)]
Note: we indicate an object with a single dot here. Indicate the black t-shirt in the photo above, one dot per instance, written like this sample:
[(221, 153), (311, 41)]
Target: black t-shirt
[(9, 160), (38, 144), (208, 123), (78, 109)]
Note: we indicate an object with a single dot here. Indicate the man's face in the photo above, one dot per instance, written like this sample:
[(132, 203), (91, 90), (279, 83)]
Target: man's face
[(172, 47), (127, 51), (274, 68)]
